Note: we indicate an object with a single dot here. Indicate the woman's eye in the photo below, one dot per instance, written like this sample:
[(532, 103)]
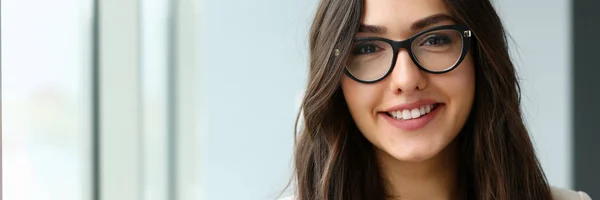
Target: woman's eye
[(365, 48), (436, 40)]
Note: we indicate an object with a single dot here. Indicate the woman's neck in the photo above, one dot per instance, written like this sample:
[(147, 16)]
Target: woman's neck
[(433, 179)]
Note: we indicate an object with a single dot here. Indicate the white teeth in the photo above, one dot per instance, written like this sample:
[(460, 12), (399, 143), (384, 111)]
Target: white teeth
[(398, 114), (413, 113), (406, 114)]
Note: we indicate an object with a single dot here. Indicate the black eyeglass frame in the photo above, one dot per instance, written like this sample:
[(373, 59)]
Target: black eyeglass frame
[(406, 44)]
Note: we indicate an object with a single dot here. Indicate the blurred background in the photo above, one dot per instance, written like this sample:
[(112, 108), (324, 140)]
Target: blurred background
[(196, 99)]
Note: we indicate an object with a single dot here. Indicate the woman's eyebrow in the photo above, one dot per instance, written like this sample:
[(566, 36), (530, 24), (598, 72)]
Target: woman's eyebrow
[(420, 24), (364, 28), (431, 20)]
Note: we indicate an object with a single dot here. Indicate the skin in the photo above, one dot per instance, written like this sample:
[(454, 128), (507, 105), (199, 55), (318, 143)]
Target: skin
[(419, 164)]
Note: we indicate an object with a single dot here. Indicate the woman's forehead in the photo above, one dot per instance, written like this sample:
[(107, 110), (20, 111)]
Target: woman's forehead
[(400, 15)]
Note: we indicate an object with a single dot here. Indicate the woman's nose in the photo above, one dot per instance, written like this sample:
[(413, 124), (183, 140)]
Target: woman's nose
[(406, 77)]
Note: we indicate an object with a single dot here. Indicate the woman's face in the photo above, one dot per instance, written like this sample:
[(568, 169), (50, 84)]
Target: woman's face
[(411, 115)]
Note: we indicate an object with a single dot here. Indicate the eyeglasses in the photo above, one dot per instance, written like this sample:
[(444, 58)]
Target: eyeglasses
[(437, 50)]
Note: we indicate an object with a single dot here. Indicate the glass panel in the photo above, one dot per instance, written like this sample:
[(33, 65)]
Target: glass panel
[(46, 99), (154, 63)]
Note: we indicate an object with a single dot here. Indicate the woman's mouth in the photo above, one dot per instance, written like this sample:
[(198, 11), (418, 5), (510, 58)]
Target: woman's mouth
[(415, 113)]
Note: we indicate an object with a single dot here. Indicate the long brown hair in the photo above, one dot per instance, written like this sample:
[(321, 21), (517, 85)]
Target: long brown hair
[(333, 161)]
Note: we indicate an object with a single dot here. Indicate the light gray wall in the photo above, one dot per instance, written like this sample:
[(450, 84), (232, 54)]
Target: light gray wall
[(253, 58), (541, 48)]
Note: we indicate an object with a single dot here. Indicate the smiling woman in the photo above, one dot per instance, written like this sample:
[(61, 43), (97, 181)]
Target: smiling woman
[(414, 99)]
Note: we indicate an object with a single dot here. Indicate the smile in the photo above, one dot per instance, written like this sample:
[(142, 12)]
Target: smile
[(407, 114), (412, 118)]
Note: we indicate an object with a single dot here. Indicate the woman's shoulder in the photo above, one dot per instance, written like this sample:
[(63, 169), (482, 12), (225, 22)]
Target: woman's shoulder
[(557, 194), (566, 194)]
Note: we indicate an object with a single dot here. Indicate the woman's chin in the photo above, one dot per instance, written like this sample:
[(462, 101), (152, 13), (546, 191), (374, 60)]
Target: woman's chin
[(415, 157), (410, 154)]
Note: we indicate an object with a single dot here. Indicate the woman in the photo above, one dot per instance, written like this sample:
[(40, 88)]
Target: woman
[(414, 99)]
